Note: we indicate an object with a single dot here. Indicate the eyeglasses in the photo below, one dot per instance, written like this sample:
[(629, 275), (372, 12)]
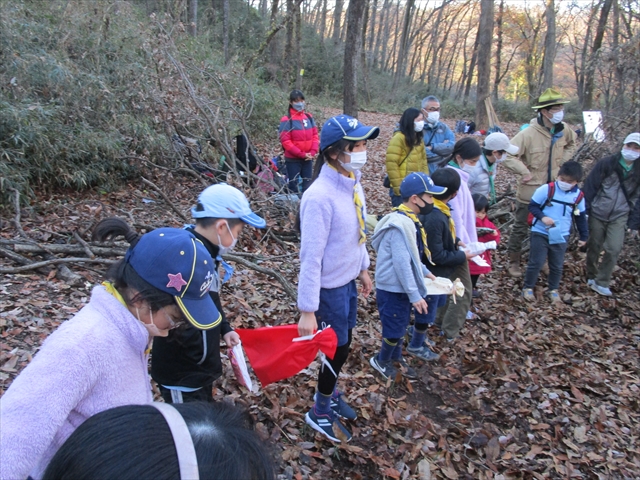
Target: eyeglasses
[(173, 323), (432, 109)]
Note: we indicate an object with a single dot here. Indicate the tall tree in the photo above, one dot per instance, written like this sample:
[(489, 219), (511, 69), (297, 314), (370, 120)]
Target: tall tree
[(337, 19), (298, 41), (549, 47), (403, 51), (225, 31), (289, 49), (355, 12), (593, 58), (496, 81), (193, 18), (485, 35)]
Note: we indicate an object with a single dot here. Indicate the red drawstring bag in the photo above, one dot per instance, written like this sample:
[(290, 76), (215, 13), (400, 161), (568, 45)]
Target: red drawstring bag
[(274, 355)]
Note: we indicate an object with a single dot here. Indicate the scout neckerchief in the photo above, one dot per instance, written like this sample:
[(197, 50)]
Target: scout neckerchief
[(359, 204), (444, 208), (626, 168), (492, 188), (421, 235), (112, 290)]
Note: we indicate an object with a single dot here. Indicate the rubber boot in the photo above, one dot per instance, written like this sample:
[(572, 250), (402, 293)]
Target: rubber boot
[(514, 264)]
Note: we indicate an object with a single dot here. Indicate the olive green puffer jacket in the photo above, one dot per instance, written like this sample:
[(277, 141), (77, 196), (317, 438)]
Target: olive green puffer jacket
[(401, 161)]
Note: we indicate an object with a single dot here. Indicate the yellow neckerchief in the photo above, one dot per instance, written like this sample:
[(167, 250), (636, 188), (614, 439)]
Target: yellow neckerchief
[(423, 235), (112, 290), (444, 208), (357, 201)]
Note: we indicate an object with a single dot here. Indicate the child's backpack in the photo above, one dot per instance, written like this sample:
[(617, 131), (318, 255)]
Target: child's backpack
[(551, 190)]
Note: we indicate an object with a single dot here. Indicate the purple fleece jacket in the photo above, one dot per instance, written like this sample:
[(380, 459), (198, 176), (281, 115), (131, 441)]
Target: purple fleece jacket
[(463, 211), (92, 362), (330, 255)]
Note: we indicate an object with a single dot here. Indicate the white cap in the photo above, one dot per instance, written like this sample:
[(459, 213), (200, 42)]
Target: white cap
[(499, 141), (224, 201), (632, 138)]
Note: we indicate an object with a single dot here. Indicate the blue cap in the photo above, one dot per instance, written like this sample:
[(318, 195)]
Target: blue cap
[(176, 262), (417, 183), (224, 201), (345, 127)]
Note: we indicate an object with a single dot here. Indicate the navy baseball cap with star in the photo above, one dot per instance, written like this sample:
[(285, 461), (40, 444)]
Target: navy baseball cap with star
[(174, 261), (347, 128)]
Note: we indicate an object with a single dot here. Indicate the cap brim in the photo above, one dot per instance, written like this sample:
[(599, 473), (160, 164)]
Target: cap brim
[(436, 190), (254, 220), (512, 149), (363, 132), (555, 102), (201, 313)]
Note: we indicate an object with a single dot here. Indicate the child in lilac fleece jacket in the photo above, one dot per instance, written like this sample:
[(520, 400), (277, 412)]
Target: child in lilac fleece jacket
[(93, 362), (333, 254)]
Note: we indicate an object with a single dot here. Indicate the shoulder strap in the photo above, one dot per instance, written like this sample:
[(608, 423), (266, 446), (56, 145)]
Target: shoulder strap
[(551, 191), (623, 188), (433, 132)]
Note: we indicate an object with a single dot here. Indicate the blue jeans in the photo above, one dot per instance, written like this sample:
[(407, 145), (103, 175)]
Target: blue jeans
[(433, 303), (540, 250), (298, 168), (338, 308)]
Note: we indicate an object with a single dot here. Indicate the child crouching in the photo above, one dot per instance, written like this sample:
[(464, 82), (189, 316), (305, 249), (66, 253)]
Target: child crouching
[(401, 244), (487, 232)]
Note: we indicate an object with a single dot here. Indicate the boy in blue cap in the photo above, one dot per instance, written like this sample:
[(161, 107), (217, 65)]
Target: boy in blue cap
[(187, 362), (401, 244)]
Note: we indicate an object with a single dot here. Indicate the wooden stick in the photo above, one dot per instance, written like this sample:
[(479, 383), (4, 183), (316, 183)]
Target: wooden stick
[(288, 288), (55, 261), (85, 245), (166, 199)]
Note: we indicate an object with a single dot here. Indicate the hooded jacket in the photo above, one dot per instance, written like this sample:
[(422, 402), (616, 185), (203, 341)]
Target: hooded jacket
[(91, 363), (401, 161), (398, 265), (443, 247), (481, 178), (540, 155)]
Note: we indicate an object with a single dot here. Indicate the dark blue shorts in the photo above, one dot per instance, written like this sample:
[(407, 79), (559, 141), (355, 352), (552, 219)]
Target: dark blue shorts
[(433, 303), (395, 311), (338, 308)]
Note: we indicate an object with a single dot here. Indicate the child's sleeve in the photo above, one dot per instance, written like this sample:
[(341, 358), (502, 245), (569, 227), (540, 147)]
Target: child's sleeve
[(439, 255), (538, 200), (581, 222)]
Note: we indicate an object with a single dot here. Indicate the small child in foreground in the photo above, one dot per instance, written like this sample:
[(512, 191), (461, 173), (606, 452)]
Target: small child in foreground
[(487, 232), (554, 206)]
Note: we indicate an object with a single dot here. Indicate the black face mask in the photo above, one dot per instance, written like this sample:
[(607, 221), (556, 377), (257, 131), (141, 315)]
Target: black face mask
[(426, 208)]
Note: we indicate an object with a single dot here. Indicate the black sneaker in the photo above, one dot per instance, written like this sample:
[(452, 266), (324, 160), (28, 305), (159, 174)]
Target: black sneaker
[(328, 425), (406, 369), (427, 341), (342, 408), (424, 353), (386, 369)]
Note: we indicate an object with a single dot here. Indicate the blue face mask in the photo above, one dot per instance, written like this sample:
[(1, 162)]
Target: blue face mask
[(298, 106)]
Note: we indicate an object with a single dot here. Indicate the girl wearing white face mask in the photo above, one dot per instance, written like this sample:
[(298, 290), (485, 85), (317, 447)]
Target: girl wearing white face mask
[(612, 192), (406, 153), (98, 359), (333, 255)]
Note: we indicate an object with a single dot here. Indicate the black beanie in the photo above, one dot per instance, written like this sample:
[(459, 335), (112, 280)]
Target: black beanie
[(467, 148)]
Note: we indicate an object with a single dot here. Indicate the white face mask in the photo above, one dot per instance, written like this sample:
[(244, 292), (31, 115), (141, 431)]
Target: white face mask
[(418, 126), (467, 167), (224, 250), (153, 330), (557, 117), (564, 186), (358, 160), (630, 155), (433, 117)]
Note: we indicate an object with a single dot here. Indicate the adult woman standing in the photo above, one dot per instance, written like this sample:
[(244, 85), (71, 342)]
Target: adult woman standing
[(612, 192), (405, 153), (332, 255), (299, 139), (98, 359)]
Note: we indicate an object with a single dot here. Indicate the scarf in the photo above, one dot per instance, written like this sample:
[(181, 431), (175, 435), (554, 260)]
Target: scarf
[(444, 208), (492, 188), (421, 235), (112, 290)]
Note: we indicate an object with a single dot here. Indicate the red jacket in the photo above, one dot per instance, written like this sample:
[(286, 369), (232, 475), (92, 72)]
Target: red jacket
[(474, 268), (298, 134)]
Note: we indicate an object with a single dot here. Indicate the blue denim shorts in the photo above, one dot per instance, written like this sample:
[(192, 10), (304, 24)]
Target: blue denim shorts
[(433, 303), (338, 308), (395, 311)]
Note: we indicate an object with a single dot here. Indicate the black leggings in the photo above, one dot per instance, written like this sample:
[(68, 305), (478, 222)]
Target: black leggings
[(326, 379)]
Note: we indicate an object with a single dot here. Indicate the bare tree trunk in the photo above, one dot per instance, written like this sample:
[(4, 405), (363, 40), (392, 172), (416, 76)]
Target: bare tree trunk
[(273, 47), (323, 20), (289, 53), (403, 51), (485, 35), (337, 19), (549, 47), (496, 81), (193, 18), (383, 32), (298, 50), (591, 64), (225, 31), (434, 46), (372, 33), (472, 67), (392, 58), (351, 56)]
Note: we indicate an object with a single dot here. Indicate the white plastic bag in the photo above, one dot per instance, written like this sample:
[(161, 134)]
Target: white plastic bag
[(444, 286), (477, 248), (239, 365)]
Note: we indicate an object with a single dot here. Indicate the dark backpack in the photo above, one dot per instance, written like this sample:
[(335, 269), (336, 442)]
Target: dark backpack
[(551, 190)]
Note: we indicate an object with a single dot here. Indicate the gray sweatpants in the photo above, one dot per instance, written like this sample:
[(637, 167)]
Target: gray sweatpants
[(607, 236)]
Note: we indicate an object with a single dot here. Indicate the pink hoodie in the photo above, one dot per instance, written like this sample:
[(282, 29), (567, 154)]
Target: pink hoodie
[(92, 362)]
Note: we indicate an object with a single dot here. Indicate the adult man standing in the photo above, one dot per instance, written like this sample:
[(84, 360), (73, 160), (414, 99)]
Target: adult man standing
[(438, 137), (544, 145)]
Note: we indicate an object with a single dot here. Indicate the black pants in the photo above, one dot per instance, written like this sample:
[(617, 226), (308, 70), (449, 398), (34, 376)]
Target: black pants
[(205, 394)]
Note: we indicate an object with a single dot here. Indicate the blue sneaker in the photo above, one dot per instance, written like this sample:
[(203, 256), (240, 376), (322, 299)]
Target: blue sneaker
[(591, 282), (601, 290), (342, 408), (427, 341), (554, 296), (386, 369), (424, 353), (328, 425), (406, 369)]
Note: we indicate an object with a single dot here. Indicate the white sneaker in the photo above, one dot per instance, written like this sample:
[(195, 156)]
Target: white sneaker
[(591, 282), (601, 290)]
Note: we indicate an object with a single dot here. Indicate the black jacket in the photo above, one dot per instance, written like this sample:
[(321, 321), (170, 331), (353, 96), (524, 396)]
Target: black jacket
[(190, 357), (443, 248)]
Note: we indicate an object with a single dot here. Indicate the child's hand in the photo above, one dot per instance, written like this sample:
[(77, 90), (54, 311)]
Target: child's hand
[(307, 324), (367, 284), (581, 243), (231, 339), (431, 276), (420, 306), (470, 255), (548, 221)]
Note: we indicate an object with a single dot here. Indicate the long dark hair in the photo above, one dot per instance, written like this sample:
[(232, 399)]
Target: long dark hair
[(124, 278), (134, 441), (466, 147), (411, 137)]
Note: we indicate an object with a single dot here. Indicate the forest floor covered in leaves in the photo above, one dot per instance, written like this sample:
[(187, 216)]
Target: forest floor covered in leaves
[(527, 391)]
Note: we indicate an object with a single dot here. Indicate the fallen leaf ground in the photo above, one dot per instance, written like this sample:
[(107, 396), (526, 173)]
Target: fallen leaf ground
[(528, 391)]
